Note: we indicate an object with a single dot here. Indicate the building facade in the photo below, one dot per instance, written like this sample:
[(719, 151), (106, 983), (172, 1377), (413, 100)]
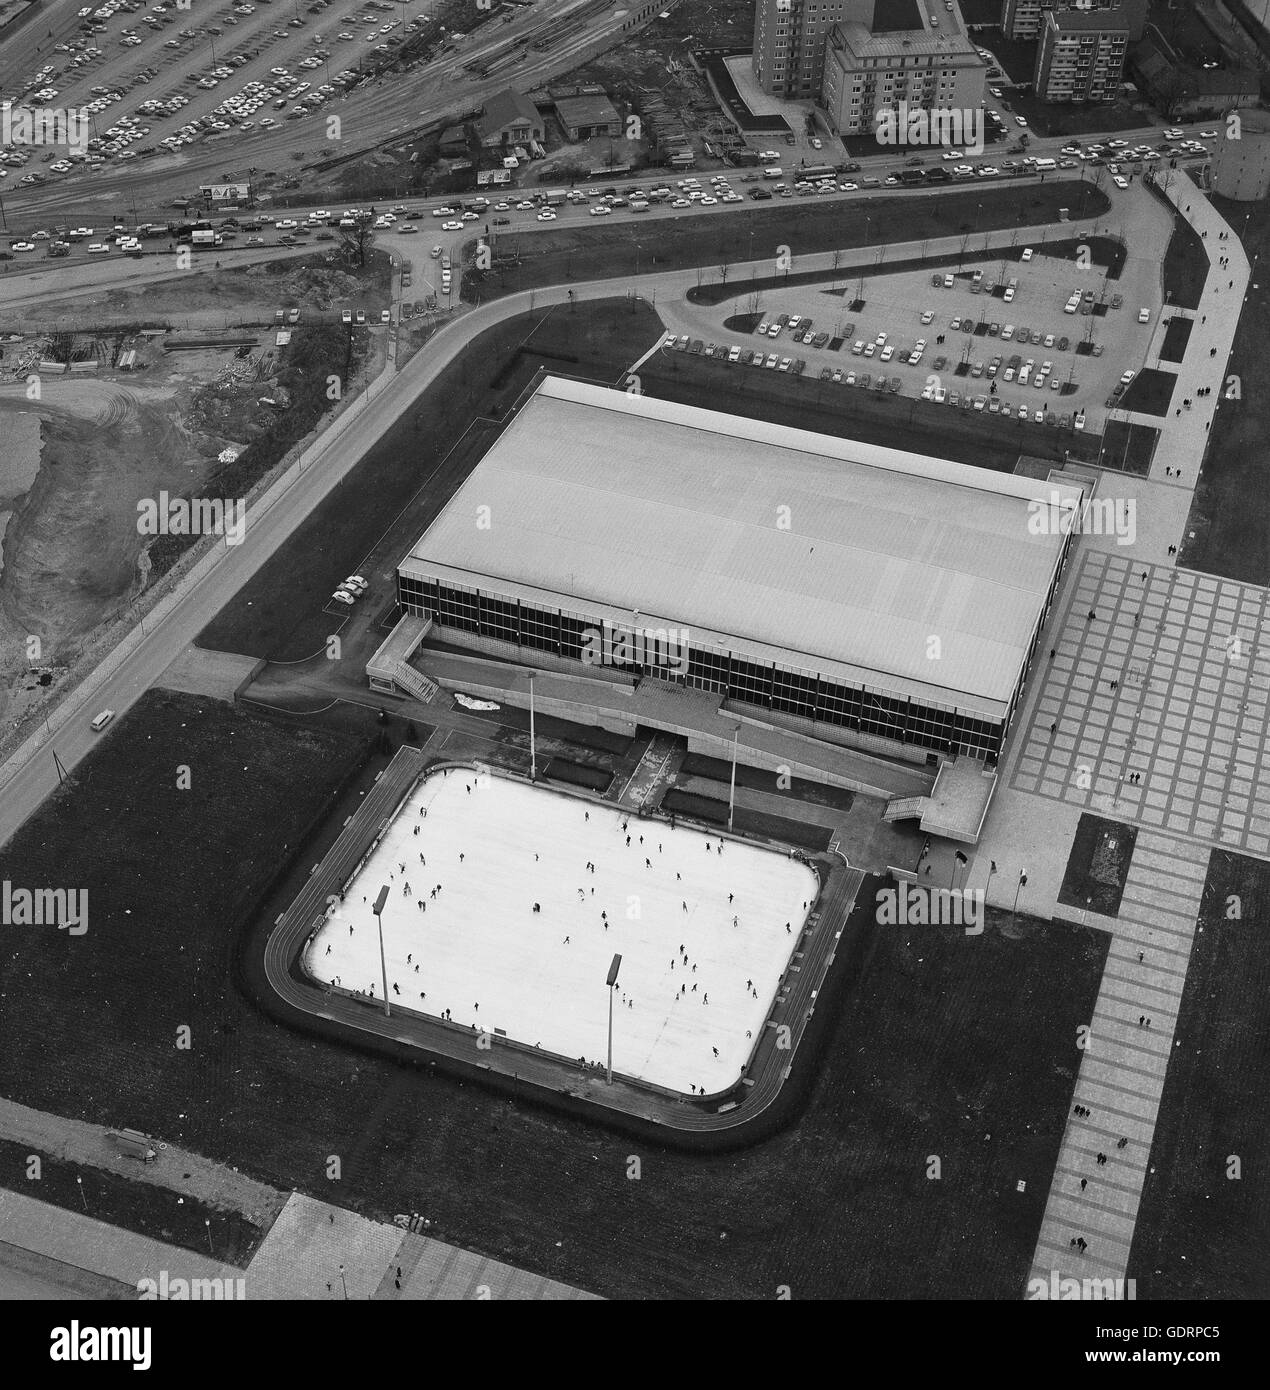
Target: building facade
[(665, 565), (867, 73), (789, 43), (1081, 56)]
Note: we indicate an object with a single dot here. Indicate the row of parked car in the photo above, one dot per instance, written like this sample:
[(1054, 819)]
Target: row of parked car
[(350, 590)]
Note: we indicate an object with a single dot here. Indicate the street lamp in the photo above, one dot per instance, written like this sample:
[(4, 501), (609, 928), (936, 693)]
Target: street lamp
[(343, 1281), (378, 910), (1021, 884), (992, 868), (736, 734), (612, 984)]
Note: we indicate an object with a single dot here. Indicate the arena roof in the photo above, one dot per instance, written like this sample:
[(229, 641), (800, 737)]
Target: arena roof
[(817, 553)]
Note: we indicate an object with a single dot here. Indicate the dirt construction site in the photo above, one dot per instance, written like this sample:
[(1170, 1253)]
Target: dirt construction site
[(98, 411)]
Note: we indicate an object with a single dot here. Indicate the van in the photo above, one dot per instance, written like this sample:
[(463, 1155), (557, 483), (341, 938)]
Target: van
[(101, 720), (773, 174)]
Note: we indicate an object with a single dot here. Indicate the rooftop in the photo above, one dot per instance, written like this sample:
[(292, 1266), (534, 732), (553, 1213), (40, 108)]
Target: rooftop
[(911, 575)]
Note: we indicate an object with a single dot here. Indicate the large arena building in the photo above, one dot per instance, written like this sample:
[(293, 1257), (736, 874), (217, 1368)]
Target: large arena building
[(868, 596)]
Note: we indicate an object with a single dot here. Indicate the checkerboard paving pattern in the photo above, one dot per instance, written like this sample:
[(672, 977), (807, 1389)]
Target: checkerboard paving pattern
[(1166, 683), (1122, 1071)]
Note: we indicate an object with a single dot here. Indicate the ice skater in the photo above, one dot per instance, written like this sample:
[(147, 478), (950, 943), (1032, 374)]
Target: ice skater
[(566, 941), (409, 955), (715, 1050), (734, 922), (586, 815), (729, 899), (328, 950), (460, 856)]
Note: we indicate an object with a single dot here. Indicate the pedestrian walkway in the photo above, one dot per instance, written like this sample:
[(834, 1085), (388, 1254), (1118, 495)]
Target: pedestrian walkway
[(1122, 1072), (312, 1251)]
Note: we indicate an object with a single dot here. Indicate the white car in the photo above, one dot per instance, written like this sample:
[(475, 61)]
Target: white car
[(1020, 120), (1144, 315), (525, 205), (1028, 253), (22, 246), (98, 248), (600, 210), (456, 226), (1120, 181), (546, 215)]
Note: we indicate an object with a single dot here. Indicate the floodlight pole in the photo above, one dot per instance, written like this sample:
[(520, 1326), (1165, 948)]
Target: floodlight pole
[(383, 964), (736, 734), (612, 984), (533, 750), (1019, 889)]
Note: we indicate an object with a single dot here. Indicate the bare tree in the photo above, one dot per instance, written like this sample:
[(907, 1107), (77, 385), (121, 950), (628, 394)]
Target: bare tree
[(723, 273)]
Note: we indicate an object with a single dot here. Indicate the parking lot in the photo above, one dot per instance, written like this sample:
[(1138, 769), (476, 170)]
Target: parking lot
[(153, 82), (950, 338)]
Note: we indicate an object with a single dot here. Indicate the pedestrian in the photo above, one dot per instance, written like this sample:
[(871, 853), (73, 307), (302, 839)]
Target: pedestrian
[(705, 998), (628, 842), (1141, 957), (1054, 727), (350, 929), (715, 1050), (1053, 653), (328, 949), (1142, 1018), (1084, 1182), (1120, 1143), (694, 971)]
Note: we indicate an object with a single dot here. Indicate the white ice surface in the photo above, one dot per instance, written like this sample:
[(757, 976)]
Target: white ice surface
[(484, 953)]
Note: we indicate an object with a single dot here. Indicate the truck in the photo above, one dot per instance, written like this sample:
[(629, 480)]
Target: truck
[(556, 197), (1043, 166), (205, 240), (59, 248)]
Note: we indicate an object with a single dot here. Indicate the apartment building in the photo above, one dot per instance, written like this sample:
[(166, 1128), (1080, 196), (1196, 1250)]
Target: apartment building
[(928, 68), (1081, 56), (1024, 19)]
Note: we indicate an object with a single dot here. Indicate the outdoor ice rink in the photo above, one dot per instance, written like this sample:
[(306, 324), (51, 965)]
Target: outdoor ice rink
[(478, 949)]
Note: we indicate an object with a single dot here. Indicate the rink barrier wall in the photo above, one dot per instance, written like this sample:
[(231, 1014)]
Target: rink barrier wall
[(702, 1136)]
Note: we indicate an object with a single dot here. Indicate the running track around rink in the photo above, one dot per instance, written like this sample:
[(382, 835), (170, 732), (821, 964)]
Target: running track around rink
[(770, 1066)]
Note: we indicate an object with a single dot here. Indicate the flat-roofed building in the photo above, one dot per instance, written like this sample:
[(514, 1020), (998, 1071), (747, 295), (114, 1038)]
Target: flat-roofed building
[(863, 595)]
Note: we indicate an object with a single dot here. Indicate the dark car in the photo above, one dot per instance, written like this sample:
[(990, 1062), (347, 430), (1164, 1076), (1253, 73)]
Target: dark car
[(502, 221)]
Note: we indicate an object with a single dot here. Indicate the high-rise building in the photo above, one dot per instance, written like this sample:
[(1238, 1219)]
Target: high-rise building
[(1081, 55), (789, 42), (1024, 19)]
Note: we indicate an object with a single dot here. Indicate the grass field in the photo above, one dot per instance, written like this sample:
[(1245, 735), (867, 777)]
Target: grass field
[(1107, 254), (940, 1045), (1176, 336), (404, 481), (1098, 864), (1128, 447), (1185, 265), (1203, 1231), (807, 226), (1150, 392), (157, 1212)]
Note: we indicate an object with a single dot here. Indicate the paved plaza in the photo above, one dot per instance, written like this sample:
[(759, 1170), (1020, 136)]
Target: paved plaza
[(1166, 684)]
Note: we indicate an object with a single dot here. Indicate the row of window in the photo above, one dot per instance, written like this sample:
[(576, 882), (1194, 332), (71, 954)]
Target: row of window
[(768, 686)]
